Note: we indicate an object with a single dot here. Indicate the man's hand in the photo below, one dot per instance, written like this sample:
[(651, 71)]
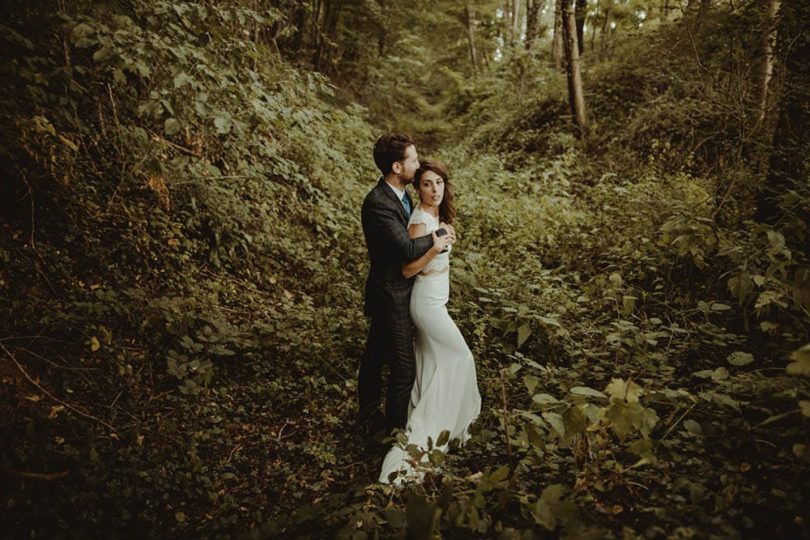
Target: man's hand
[(440, 243)]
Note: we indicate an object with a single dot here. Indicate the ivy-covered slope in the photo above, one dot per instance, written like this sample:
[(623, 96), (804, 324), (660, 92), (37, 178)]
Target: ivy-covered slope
[(180, 243), (182, 281)]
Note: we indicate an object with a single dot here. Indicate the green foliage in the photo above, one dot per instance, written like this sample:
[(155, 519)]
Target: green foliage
[(182, 271)]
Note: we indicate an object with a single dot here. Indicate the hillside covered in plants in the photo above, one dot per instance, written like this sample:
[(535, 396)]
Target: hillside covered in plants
[(182, 265)]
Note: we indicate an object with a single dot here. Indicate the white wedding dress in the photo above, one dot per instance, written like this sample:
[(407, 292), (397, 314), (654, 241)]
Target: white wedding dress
[(445, 394)]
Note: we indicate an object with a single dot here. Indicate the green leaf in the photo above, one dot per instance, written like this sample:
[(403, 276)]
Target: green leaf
[(556, 421), (643, 449), (535, 437), (171, 126), (800, 364), (586, 391), (544, 399), (767, 326), (223, 124), (548, 509), (523, 334), (804, 405), (621, 390), (553, 493), (181, 79), (531, 382), (575, 421), (624, 417), (769, 297), (693, 427), (543, 515), (444, 437), (628, 304), (720, 399), (740, 358), (83, 30), (103, 54), (513, 368), (499, 475)]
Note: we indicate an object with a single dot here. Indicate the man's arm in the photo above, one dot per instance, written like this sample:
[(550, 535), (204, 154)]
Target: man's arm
[(396, 239), (410, 269)]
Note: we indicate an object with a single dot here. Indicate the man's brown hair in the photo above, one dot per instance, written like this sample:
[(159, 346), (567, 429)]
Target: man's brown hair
[(389, 149)]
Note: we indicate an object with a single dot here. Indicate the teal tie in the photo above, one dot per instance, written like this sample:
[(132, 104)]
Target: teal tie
[(406, 202)]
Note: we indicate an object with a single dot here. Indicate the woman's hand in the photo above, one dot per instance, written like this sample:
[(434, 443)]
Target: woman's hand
[(440, 243)]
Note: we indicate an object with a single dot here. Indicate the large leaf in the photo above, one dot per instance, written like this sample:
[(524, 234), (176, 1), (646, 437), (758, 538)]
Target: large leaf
[(586, 391), (624, 390), (800, 364), (523, 333), (740, 358), (544, 399), (556, 422)]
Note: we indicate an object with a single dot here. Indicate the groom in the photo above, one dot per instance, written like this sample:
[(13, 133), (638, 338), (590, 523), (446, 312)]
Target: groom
[(385, 214)]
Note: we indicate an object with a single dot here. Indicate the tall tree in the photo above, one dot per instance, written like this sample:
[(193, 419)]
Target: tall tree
[(788, 166), (606, 20), (576, 94), (766, 67), (515, 21), (557, 39), (580, 13), (327, 15), (593, 23), (469, 20), (532, 13)]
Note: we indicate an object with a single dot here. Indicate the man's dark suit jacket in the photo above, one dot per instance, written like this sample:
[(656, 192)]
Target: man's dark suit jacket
[(389, 246)]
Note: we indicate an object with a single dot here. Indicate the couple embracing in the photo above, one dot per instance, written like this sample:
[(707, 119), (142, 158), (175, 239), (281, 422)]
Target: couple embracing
[(432, 383)]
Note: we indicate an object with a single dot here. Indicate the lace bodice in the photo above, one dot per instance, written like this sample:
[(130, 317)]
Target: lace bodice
[(441, 262)]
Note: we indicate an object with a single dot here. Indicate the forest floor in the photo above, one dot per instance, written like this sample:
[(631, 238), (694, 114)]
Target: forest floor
[(707, 449)]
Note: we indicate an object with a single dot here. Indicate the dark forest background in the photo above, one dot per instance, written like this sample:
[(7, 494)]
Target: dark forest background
[(181, 264)]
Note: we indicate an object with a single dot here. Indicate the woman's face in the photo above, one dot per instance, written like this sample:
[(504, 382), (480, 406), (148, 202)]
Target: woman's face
[(431, 189)]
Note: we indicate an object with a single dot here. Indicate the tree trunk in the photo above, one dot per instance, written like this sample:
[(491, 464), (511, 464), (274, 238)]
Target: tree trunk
[(606, 21), (532, 12), (506, 6), (298, 19), (581, 11), (557, 40), (468, 16), (593, 24), (515, 21), (328, 29), (788, 166), (576, 96), (766, 69)]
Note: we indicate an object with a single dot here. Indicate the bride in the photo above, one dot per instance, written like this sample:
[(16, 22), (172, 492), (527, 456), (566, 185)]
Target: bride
[(445, 394)]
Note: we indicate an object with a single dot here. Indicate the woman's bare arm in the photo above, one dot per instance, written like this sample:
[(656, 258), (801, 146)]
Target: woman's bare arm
[(412, 268)]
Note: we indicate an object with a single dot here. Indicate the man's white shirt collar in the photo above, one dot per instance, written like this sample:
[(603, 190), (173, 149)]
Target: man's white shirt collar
[(399, 192)]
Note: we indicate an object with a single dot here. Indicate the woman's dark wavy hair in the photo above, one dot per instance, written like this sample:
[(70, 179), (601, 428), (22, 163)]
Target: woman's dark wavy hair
[(447, 208)]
